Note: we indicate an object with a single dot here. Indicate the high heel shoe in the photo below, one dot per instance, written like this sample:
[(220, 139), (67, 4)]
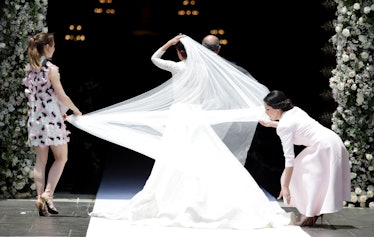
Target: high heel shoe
[(49, 203), (307, 221), (41, 207), (319, 217)]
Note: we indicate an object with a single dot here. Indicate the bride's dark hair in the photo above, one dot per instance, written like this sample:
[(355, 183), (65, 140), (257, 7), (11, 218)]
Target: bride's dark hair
[(278, 100), (180, 47)]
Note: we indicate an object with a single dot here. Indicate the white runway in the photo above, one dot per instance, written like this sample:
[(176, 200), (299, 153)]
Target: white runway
[(121, 180)]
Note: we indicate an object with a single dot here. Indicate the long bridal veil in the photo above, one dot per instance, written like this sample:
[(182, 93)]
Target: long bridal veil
[(198, 127), (233, 100)]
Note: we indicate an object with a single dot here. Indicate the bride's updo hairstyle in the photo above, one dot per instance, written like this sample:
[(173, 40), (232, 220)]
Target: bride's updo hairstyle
[(180, 47), (278, 100)]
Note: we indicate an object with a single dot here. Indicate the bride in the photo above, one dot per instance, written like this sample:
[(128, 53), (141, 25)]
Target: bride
[(197, 126)]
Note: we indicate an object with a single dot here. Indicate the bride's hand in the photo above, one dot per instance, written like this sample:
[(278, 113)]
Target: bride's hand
[(177, 38)]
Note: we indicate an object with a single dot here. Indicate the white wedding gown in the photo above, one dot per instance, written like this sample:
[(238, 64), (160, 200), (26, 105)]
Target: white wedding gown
[(196, 180)]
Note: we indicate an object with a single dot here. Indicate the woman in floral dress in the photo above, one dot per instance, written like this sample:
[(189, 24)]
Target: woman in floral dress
[(48, 104)]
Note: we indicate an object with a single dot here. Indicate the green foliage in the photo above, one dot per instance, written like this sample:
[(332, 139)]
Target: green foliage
[(352, 84), (19, 20)]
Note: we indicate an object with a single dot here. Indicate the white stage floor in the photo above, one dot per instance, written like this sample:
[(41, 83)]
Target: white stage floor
[(124, 177)]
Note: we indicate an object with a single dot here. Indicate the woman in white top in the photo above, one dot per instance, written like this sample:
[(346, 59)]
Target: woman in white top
[(317, 180)]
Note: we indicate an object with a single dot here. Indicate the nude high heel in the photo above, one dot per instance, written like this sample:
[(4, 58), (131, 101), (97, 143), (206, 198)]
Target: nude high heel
[(41, 207), (49, 203)]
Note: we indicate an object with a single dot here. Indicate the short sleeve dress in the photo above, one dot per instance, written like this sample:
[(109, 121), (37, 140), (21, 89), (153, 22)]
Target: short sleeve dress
[(45, 124)]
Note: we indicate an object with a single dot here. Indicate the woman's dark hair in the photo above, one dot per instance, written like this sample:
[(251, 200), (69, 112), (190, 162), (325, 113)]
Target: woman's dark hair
[(180, 47), (278, 100)]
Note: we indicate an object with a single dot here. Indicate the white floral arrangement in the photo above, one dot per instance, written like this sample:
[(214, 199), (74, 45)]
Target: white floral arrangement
[(352, 85), (19, 20)]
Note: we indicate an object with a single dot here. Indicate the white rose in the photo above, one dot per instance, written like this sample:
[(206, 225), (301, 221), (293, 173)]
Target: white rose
[(40, 17), (364, 55), (367, 10), (340, 86), (352, 74), (346, 32), (33, 187), (343, 10), (20, 185), (360, 99), (354, 198), (362, 198), (353, 175), (8, 173), (26, 169), (345, 58), (352, 56), (334, 127), (360, 64), (370, 194)]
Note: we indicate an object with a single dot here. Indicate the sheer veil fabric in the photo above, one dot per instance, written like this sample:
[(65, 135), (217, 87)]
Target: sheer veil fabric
[(198, 127)]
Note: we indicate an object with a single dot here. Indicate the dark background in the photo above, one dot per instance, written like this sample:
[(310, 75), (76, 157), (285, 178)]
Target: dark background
[(278, 42)]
